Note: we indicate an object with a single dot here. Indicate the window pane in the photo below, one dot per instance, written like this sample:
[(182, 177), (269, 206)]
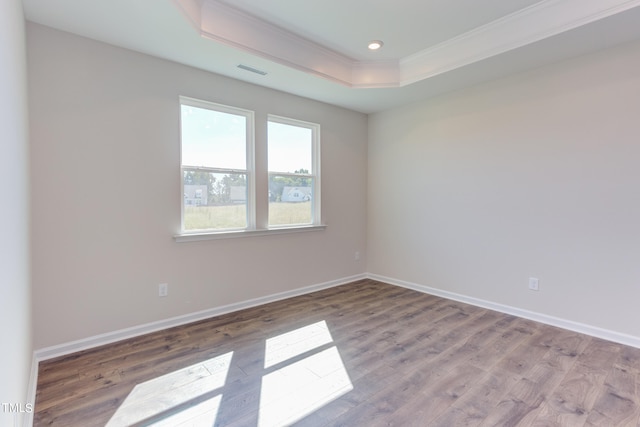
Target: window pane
[(290, 148), (214, 200), (290, 200), (213, 138)]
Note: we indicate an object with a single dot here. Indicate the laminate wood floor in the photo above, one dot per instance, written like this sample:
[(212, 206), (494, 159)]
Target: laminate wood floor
[(361, 354)]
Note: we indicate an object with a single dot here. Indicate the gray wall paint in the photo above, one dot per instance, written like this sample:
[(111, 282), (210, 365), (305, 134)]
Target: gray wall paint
[(472, 192), (15, 296), (105, 121), (535, 175)]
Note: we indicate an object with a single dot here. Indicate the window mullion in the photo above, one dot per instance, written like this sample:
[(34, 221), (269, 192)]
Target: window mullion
[(251, 174), (261, 176)]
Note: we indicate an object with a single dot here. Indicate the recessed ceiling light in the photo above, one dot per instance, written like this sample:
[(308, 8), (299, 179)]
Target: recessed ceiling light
[(375, 44)]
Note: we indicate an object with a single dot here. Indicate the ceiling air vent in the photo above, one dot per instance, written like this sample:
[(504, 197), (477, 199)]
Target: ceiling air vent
[(253, 70)]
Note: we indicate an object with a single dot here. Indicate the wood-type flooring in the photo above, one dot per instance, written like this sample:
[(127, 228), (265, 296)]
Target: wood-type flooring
[(360, 354)]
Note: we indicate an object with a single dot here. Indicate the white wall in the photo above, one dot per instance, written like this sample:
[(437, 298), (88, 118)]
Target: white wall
[(535, 175), (15, 314), (106, 193)]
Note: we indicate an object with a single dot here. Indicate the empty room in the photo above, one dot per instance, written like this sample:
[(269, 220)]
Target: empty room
[(273, 213)]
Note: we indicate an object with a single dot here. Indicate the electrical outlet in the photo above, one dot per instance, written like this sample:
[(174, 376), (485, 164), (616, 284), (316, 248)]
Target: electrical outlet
[(163, 289), (356, 256), (533, 283)]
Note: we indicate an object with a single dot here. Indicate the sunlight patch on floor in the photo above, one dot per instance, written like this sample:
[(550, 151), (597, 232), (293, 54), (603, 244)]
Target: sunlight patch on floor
[(157, 398), (294, 391), (203, 414), (294, 343), (303, 372)]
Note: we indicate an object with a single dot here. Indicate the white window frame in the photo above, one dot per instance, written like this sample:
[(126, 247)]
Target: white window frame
[(316, 201), (252, 197)]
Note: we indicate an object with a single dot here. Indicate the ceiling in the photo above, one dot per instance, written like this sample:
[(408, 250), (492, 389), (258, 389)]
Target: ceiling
[(317, 49)]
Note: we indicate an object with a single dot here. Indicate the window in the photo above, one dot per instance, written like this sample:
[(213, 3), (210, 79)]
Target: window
[(216, 152), (219, 172), (293, 172)]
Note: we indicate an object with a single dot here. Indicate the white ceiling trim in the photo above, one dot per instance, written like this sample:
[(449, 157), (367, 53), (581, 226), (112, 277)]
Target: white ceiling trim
[(223, 23), (529, 25)]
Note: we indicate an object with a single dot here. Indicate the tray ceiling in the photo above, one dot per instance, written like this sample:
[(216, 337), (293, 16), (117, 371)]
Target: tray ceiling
[(318, 49)]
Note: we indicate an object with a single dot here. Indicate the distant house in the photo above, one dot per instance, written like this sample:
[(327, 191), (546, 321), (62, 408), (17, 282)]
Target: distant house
[(296, 194), (238, 194), (195, 195)]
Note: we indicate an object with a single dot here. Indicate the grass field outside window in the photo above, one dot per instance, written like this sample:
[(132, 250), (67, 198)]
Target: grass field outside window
[(234, 216)]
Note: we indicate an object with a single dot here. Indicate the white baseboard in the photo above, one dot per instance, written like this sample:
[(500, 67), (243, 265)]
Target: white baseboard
[(110, 337), (582, 328)]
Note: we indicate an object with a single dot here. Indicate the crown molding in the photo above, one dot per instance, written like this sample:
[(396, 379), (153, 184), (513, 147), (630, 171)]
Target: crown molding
[(226, 24), (529, 25), (191, 10)]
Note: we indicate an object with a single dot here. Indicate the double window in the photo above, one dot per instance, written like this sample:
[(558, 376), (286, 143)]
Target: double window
[(220, 172)]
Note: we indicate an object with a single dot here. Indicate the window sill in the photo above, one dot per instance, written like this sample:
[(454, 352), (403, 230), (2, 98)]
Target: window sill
[(232, 234)]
